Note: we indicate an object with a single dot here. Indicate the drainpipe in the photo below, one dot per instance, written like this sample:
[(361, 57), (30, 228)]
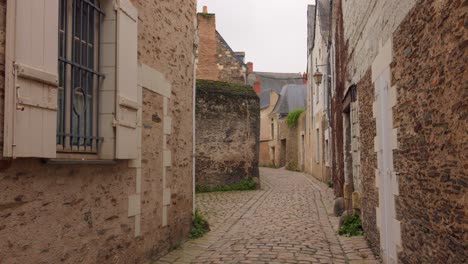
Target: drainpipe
[(194, 150)]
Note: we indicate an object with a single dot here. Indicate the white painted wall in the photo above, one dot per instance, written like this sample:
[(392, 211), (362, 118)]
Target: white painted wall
[(367, 26)]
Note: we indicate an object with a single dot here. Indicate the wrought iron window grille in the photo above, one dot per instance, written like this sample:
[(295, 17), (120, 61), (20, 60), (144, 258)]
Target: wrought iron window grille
[(79, 76)]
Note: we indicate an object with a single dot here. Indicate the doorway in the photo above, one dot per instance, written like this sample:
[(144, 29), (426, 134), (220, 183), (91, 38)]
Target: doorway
[(283, 153)]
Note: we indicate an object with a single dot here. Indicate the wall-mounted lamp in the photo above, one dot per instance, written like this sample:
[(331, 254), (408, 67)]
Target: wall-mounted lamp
[(318, 76)]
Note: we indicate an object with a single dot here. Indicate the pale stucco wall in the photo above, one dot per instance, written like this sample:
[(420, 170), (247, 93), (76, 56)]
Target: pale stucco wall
[(367, 27)]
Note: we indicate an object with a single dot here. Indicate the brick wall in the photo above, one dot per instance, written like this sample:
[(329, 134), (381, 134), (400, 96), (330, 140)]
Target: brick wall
[(216, 60), (79, 213), (207, 67), (429, 71), (367, 132), (227, 133)]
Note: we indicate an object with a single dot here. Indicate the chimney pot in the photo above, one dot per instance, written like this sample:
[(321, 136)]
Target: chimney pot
[(205, 9)]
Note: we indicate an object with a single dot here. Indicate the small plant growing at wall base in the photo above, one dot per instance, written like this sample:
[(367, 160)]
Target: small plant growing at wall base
[(352, 226), (293, 117), (330, 184), (243, 185), (270, 165), (199, 225)]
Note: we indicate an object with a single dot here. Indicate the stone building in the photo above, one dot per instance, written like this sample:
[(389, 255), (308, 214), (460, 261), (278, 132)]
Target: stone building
[(268, 86), (318, 106), (216, 60), (227, 133), (289, 139), (398, 90), (103, 174)]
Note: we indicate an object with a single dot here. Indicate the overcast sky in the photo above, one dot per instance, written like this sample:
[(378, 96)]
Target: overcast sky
[(273, 33)]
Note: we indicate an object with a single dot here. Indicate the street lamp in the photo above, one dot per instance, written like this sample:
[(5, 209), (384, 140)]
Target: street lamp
[(318, 75)]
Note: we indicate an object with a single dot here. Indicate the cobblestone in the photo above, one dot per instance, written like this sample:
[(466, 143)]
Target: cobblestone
[(287, 221)]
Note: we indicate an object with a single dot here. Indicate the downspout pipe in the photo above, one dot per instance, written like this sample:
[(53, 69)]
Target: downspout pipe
[(194, 147)]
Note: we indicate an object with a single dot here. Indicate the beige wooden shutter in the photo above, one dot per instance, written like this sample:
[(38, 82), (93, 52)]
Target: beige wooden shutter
[(31, 61), (127, 75)]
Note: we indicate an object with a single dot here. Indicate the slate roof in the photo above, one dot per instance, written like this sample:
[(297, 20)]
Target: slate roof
[(272, 81), (292, 97)]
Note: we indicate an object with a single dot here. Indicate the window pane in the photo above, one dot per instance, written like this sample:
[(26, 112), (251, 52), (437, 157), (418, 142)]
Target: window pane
[(77, 93)]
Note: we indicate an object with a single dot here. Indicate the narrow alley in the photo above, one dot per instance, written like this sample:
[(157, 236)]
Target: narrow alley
[(289, 220)]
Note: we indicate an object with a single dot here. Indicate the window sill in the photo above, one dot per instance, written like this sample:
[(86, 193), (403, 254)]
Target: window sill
[(79, 162)]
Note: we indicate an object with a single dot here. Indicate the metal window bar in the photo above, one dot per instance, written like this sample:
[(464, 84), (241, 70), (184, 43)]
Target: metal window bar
[(79, 76)]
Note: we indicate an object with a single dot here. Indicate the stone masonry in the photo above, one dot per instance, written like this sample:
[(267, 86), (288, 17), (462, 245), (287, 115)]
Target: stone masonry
[(367, 132), (413, 138), (216, 60), (429, 71), (227, 133), (123, 212)]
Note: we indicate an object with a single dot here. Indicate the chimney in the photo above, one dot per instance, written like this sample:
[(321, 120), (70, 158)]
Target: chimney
[(257, 87), (249, 67), (304, 77), (205, 10)]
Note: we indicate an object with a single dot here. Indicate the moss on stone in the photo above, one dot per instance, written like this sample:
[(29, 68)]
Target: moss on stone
[(207, 15), (205, 86)]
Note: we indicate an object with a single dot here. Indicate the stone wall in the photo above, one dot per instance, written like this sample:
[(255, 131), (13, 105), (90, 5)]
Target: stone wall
[(292, 149), (367, 133), (336, 118), (227, 133), (367, 27), (79, 213), (231, 69), (295, 147), (216, 60), (429, 71)]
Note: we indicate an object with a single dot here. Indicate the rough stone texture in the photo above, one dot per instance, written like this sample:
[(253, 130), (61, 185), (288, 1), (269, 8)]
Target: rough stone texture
[(367, 131), (336, 118), (272, 226), (231, 69), (267, 136), (227, 133), (429, 71), (78, 214), (367, 27), (216, 60), (292, 149)]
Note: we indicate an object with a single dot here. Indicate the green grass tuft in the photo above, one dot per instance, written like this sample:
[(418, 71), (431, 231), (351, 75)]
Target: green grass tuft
[(243, 185), (199, 225), (352, 226), (293, 117)]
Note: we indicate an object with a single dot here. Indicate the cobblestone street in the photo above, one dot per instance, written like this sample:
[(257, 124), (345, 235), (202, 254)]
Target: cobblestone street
[(287, 221)]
